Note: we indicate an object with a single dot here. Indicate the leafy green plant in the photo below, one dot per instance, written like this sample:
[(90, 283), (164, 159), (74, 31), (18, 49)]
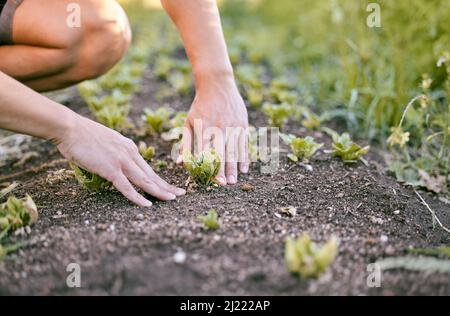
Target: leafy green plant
[(440, 251), (147, 152), (427, 163), (113, 116), (345, 148), (307, 260), (16, 213), (202, 168), (277, 114), (157, 120), (90, 181), (302, 148), (210, 221), (176, 127)]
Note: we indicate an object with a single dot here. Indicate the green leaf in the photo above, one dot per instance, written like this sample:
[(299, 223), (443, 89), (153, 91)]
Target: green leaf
[(346, 149), (90, 181), (211, 220), (277, 114), (157, 120), (203, 168), (16, 213), (306, 259)]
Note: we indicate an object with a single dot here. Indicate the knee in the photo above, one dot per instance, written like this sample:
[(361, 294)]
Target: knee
[(101, 41)]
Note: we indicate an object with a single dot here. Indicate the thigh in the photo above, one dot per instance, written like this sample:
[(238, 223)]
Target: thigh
[(45, 22)]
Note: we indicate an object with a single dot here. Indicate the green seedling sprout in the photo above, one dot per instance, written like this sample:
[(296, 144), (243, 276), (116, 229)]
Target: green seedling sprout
[(16, 213), (277, 114), (90, 181), (147, 152), (177, 125), (157, 120), (113, 116), (306, 259), (302, 148), (202, 168), (210, 221), (347, 150)]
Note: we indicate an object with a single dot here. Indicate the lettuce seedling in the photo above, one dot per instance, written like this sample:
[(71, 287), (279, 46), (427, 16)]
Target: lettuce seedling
[(277, 114), (163, 67), (202, 168), (157, 120), (182, 83), (90, 181), (302, 148), (16, 213), (210, 221), (147, 152), (177, 124), (255, 97), (347, 150), (307, 260), (113, 116)]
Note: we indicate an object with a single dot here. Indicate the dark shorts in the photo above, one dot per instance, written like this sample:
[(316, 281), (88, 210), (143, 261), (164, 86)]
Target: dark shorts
[(7, 10)]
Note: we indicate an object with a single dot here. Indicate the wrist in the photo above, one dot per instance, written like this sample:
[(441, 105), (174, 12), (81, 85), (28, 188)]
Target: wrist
[(64, 127), (211, 78)]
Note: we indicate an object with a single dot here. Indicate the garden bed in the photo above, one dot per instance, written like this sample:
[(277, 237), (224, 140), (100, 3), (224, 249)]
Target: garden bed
[(122, 249)]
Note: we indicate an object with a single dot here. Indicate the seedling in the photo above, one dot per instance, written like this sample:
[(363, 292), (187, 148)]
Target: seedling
[(147, 152), (345, 148), (255, 97), (210, 221), (157, 120), (113, 116), (307, 260), (182, 83), (90, 181), (277, 114), (177, 124), (160, 165), (302, 148), (202, 168), (16, 213), (163, 66)]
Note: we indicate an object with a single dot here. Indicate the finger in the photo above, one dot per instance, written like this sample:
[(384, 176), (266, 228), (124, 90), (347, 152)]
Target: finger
[(145, 182), (244, 159), (231, 160), (158, 180), (124, 186), (219, 147), (186, 142)]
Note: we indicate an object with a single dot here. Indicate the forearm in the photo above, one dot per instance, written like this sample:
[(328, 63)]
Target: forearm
[(25, 111), (198, 22)]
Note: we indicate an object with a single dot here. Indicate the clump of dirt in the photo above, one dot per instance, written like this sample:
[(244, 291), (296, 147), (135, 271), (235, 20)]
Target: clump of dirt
[(123, 249)]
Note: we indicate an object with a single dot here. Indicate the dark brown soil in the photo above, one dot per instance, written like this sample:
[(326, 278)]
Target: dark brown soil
[(123, 249)]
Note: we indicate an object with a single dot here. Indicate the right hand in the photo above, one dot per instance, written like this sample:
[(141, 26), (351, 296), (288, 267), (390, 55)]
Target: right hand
[(110, 155)]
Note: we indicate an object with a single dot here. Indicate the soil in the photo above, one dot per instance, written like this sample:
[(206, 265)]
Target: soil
[(123, 249)]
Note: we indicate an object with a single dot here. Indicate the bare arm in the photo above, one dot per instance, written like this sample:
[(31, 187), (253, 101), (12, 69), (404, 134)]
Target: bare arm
[(90, 145), (217, 102)]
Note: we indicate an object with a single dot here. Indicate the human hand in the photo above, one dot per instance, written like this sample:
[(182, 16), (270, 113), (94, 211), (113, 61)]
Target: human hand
[(218, 118), (107, 153)]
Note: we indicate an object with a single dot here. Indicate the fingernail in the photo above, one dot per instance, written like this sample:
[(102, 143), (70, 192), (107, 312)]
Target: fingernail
[(231, 180), (221, 181), (148, 204), (245, 169), (180, 191), (172, 196)]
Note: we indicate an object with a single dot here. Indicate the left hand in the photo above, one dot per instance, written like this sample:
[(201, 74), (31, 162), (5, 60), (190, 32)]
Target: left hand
[(219, 107)]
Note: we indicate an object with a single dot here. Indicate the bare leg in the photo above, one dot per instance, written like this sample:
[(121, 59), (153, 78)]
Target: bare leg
[(50, 55)]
